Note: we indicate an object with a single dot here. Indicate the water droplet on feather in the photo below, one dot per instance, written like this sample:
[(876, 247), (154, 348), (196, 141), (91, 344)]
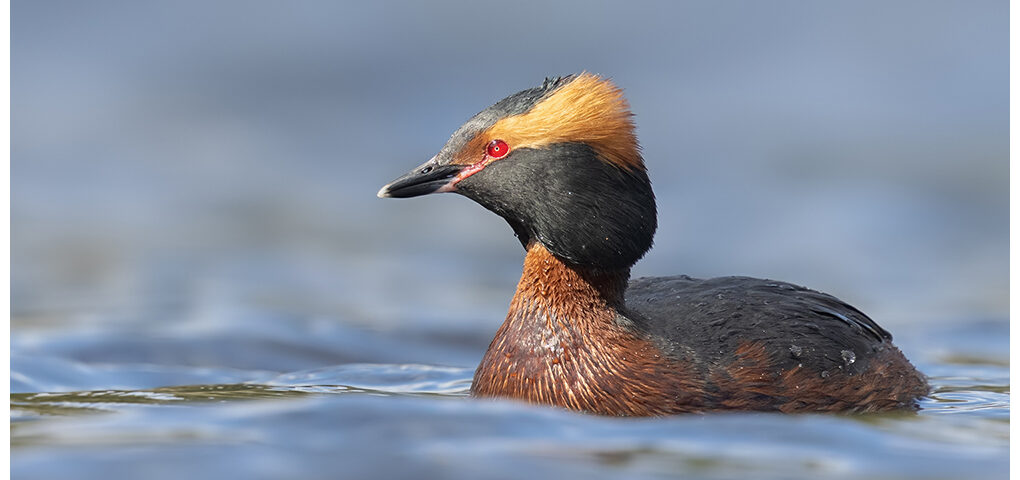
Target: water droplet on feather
[(848, 357)]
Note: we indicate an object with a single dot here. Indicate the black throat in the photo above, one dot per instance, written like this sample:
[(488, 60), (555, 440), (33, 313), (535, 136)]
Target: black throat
[(585, 211)]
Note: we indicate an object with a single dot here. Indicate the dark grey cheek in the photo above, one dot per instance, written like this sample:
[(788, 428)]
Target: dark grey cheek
[(583, 210), (501, 188)]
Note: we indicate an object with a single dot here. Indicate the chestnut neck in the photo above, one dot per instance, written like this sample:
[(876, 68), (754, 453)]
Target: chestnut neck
[(566, 343), (569, 293)]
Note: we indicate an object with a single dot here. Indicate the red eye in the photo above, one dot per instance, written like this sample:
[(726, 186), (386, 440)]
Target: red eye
[(497, 149)]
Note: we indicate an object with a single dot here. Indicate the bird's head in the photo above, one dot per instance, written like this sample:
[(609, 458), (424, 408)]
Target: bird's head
[(560, 163)]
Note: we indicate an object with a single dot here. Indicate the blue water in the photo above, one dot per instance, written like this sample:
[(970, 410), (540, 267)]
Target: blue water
[(412, 420), (204, 284)]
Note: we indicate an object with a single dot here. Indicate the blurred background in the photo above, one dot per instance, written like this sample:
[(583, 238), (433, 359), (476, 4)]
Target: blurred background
[(193, 183), (184, 155)]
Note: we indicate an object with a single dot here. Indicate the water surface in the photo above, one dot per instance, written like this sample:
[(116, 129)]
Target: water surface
[(373, 419)]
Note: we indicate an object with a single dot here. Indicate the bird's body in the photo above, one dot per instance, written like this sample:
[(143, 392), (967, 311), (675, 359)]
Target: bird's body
[(561, 164)]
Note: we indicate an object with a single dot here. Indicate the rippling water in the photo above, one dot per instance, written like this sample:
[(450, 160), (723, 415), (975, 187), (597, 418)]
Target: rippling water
[(204, 285), (136, 418)]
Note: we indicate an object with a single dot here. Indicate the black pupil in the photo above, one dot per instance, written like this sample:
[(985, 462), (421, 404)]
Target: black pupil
[(426, 170)]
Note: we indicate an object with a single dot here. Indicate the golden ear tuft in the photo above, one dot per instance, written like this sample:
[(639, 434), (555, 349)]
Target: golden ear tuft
[(589, 109)]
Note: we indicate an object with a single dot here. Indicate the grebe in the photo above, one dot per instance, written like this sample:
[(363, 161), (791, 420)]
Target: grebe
[(561, 164)]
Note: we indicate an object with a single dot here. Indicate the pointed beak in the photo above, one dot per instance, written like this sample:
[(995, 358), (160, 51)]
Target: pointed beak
[(429, 177)]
